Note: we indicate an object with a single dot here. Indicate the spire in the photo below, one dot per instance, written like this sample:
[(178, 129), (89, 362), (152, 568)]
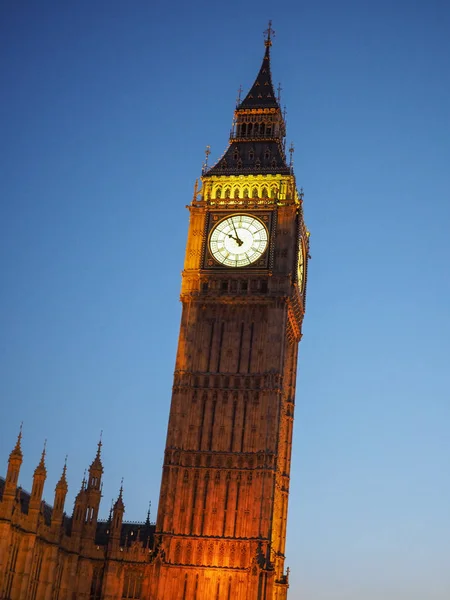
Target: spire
[(262, 93), (17, 450), (256, 144), (60, 497), (39, 477), (14, 464), (97, 462), (62, 483), (119, 502), (40, 469)]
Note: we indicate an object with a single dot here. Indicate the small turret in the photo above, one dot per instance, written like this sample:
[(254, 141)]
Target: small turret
[(39, 477), (60, 497), (79, 509), (93, 494), (117, 518), (96, 469)]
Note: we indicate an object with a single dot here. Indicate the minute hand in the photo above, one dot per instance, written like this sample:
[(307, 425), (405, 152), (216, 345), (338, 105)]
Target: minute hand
[(238, 239)]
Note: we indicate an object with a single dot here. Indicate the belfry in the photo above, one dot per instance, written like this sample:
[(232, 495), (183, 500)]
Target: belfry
[(221, 524)]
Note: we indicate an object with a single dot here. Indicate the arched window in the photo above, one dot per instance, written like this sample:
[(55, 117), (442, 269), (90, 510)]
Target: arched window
[(218, 192), (264, 192), (236, 193), (273, 191), (227, 192), (245, 192), (254, 192)]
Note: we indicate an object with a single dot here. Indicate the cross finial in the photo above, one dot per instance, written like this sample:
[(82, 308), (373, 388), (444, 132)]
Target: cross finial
[(269, 34), (279, 89)]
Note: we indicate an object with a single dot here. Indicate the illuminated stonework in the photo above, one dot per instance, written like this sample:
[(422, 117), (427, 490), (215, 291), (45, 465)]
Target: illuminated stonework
[(221, 525)]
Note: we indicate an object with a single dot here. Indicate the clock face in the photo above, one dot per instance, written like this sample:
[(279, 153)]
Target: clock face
[(238, 240), (300, 267)]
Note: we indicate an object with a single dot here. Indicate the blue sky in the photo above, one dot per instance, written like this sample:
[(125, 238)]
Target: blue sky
[(105, 111)]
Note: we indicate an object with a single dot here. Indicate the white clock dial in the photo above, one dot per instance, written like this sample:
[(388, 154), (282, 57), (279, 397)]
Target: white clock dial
[(238, 240)]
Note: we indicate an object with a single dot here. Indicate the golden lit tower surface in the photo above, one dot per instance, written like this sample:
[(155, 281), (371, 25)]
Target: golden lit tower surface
[(221, 525)]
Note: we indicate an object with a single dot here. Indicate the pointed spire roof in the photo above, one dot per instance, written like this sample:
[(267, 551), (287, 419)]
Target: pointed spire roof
[(262, 94), (256, 146), (97, 462), (62, 483), (40, 469), (16, 452), (119, 505)]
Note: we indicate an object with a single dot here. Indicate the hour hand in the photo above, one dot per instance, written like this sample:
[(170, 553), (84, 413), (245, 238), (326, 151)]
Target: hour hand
[(236, 239)]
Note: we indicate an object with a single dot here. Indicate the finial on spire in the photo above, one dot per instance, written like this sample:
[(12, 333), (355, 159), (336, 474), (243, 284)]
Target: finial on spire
[(148, 512), (121, 488), (83, 483), (279, 90), (100, 443), (268, 35), (62, 483), (17, 450), (42, 461), (207, 153)]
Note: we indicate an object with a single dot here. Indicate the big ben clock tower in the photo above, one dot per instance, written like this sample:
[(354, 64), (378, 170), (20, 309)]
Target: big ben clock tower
[(221, 525)]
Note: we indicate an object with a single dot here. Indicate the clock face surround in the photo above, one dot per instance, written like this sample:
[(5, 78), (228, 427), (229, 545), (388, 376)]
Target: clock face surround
[(238, 240)]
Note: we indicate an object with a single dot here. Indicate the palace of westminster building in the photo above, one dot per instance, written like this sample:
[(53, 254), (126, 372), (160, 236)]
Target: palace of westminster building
[(221, 525)]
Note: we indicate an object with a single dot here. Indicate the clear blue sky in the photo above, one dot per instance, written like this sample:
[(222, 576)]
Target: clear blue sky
[(106, 108)]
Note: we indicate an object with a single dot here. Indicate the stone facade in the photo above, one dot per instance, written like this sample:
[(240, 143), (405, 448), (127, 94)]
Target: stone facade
[(46, 555)]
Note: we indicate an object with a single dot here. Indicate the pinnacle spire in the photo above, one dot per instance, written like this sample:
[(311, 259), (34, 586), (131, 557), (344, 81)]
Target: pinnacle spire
[(41, 466), (119, 502), (262, 93), (62, 483), (97, 462), (17, 450)]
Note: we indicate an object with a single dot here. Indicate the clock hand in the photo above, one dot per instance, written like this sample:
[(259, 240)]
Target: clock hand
[(238, 240)]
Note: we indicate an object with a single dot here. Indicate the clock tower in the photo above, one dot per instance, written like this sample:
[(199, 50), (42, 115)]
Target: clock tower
[(221, 524)]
